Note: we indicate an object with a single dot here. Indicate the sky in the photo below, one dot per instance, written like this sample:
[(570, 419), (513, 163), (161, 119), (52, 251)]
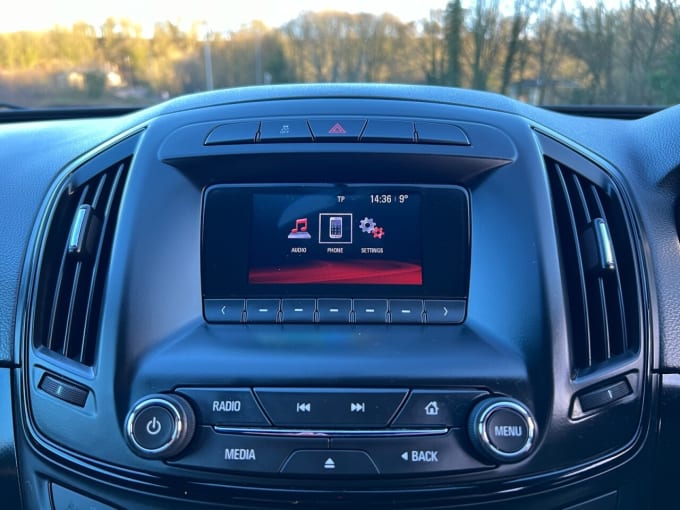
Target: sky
[(221, 15)]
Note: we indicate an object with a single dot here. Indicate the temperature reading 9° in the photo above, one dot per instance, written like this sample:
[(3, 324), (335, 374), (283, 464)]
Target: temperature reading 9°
[(383, 198)]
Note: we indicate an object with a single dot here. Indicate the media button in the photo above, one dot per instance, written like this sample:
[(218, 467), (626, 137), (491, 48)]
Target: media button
[(329, 463), (406, 311), (334, 310), (262, 310), (370, 310), (243, 452), (332, 409), (444, 408)]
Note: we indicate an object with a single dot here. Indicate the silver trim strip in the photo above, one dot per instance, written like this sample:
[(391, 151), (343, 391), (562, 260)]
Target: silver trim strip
[(330, 433)]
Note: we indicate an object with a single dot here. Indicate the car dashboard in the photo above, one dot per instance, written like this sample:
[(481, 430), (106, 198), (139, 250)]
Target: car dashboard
[(326, 296)]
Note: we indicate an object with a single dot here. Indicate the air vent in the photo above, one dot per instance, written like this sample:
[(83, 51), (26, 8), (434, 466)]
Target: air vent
[(598, 260), (74, 262)]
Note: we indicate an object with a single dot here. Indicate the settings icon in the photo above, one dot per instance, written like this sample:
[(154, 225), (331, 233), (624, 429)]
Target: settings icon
[(367, 225)]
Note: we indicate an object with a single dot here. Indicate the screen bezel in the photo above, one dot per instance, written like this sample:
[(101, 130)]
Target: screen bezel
[(225, 258)]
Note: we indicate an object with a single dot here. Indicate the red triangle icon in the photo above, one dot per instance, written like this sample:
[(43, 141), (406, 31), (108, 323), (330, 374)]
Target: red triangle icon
[(337, 129)]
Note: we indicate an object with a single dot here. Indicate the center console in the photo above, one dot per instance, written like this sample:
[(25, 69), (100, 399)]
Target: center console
[(443, 301)]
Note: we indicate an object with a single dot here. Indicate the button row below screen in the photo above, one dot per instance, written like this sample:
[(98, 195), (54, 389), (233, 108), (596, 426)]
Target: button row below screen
[(313, 456), (335, 311), (327, 409), (338, 129)]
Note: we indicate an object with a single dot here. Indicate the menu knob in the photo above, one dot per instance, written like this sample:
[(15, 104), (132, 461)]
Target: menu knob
[(502, 429)]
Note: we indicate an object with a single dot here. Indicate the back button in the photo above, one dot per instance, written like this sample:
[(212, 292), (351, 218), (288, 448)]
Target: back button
[(414, 455), (329, 463)]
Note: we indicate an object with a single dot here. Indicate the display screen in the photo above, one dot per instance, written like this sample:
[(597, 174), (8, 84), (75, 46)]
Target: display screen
[(340, 240), (356, 237)]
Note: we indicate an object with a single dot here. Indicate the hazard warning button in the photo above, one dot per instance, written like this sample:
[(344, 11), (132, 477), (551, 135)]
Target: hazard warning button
[(337, 129)]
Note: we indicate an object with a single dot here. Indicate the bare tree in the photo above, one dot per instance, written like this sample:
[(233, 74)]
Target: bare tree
[(485, 27)]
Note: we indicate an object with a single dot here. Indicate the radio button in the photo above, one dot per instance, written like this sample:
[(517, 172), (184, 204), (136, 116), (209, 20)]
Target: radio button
[(329, 463), (414, 455), (446, 408), (242, 452), (298, 310), (230, 406), (370, 310), (449, 311), (406, 311), (330, 409), (334, 310), (262, 310)]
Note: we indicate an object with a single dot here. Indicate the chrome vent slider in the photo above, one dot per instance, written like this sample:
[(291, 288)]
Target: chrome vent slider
[(82, 239), (598, 249)]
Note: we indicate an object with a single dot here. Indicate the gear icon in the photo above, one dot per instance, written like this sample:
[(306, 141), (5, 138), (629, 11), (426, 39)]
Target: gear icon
[(367, 225), (378, 232)]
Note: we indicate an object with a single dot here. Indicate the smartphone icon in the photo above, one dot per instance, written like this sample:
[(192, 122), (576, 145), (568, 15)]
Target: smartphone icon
[(335, 227)]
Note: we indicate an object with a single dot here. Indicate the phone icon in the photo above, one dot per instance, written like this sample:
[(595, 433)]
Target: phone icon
[(335, 227)]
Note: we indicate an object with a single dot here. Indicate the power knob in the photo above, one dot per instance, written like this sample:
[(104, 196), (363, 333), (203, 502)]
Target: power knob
[(502, 429), (159, 426)]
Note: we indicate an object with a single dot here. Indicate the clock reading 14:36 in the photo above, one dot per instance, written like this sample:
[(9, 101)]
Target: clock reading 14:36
[(382, 198)]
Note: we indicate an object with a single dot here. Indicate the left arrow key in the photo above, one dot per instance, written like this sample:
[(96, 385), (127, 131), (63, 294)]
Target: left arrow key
[(223, 310)]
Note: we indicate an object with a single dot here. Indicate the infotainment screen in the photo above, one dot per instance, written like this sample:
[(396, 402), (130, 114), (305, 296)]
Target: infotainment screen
[(342, 240), (353, 237)]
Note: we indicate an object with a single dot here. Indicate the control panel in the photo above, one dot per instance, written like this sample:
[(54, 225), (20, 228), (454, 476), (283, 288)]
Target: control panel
[(331, 432)]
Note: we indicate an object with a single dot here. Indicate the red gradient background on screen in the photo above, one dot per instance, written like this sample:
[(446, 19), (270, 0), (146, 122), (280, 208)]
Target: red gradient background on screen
[(370, 272)]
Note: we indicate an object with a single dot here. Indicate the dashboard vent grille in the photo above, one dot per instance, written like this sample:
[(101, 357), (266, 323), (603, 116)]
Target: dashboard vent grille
[(598, 260), (73, 265)]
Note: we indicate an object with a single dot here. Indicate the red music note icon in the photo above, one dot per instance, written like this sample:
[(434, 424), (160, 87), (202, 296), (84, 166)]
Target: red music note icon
[(301, 225), (300, 230)]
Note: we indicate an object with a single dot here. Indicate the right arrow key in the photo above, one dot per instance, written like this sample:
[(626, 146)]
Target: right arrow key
[(445, 311)]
